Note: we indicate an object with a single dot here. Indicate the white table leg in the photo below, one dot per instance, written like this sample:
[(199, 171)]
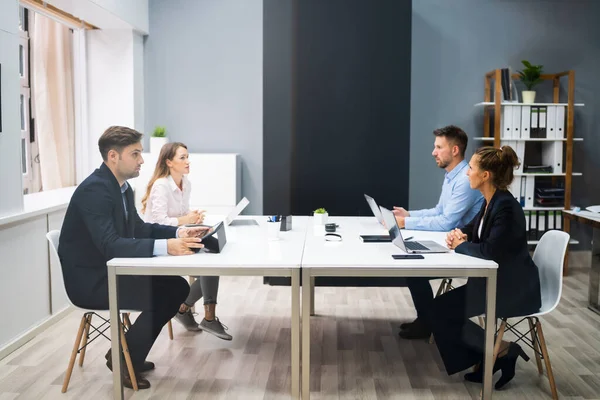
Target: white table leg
[(490, 330), (295, 333), (115, 336), (306, 301)]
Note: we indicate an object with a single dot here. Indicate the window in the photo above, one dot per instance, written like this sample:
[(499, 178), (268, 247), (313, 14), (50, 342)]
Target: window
[(28, 141)]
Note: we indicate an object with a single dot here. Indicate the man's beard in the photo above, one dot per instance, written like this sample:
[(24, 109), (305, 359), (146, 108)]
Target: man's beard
[(443, 164)]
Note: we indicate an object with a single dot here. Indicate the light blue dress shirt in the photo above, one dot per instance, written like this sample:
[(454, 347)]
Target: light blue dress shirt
[(457, 206), (160, 245)]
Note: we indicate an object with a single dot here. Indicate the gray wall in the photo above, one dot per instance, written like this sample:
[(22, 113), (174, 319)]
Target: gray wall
[(203, 80), (454, 43)]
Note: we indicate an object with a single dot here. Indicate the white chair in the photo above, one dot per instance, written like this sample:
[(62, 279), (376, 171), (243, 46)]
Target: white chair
[(549, 256), (83, 340)]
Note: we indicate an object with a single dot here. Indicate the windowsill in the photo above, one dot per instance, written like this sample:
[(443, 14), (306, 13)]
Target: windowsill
[(36, 204)]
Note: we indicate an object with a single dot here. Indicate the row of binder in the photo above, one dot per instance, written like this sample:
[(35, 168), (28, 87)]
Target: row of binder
[(525, 122), (539, 222)]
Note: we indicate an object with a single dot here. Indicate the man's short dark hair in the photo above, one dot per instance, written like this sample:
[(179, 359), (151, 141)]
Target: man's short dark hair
[(117, 138), (455, 135)]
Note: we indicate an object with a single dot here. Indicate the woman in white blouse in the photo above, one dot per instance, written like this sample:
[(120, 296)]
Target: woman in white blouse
[(167, 202)]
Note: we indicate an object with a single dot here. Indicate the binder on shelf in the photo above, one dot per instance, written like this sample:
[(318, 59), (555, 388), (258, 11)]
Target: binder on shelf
[(529, 191), (525, 121), (551, 218), (558, 223), (516, 122), (558, 157), (506, 123), (533, 132), (515, 189), (542, 113), (551, 122), (560, 122)]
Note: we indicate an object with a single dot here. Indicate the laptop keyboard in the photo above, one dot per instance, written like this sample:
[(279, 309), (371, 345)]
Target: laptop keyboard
[(415, 246)]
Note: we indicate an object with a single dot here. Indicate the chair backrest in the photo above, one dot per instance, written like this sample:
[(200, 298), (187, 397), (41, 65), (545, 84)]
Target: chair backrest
[(52, 237), (549, 256)]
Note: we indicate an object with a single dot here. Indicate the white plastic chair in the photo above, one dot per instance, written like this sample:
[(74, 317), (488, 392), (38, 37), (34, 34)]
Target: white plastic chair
[(83, 340), (549, 256)]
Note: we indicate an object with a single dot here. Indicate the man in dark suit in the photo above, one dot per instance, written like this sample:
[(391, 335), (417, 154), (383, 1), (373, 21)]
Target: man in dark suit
[(102, 223)]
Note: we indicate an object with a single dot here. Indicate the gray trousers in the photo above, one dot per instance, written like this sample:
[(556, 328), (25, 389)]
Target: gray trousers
[(204, 286)]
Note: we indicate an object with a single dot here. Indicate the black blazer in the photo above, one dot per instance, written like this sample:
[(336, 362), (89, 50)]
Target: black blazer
[(96, 230), (504, 240)]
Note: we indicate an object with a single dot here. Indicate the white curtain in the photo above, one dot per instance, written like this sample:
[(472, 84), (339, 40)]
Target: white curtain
[(52, 101)]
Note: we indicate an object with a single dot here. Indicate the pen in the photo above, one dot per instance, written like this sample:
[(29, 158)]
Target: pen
[(408, 238)]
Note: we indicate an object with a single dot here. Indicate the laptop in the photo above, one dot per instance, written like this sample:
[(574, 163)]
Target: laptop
[(410, 246), (231, 220), (377, 213)]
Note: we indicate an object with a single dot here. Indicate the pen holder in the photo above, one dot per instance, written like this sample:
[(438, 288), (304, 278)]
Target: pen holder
[(286, 223)]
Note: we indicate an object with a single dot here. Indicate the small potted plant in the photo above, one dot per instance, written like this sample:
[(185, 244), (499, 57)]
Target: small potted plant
[(320, 216), (530, 76), (158, 139)]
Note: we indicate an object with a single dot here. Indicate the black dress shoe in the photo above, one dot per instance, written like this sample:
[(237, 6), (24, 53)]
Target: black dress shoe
[(407, 325), (416, 330), (142, 382), (506, 363), (145, 367)]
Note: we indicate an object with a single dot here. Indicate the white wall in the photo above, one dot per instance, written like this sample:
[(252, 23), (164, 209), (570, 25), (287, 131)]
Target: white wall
[(114, 84), (11, 200), (204, 80)]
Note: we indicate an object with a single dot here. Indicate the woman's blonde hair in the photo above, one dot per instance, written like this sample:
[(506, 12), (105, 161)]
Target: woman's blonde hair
[(167, 152)]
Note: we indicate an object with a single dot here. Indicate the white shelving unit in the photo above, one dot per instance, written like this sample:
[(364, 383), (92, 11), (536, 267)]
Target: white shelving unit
[(542, 135)]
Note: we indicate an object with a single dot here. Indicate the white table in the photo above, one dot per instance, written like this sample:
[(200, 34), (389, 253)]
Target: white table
[(592, 219), (352, 257), (248, 252)]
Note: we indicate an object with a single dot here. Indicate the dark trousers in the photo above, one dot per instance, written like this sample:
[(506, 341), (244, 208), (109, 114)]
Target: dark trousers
[(157, 297), (422, 295), (459, 340)]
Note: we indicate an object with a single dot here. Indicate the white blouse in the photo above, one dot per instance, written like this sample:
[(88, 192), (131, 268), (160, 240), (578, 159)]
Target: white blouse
[(167, 202)]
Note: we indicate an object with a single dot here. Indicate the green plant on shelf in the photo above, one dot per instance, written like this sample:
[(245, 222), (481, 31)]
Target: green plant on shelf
[(159, 131), (531, 74), (320, 211)]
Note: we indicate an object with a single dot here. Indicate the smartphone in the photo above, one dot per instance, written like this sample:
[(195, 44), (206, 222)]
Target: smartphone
[(407, 257)]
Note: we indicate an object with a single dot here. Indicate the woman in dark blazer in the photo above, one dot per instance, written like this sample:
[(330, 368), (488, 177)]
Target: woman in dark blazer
[(496, 233)]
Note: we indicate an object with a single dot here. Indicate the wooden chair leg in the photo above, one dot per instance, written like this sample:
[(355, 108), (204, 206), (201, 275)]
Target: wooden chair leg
[(536, 346), (128, 362), (84, 339), (74, 354), (170, 327), (540, 334), (499, 339), (126, 320)]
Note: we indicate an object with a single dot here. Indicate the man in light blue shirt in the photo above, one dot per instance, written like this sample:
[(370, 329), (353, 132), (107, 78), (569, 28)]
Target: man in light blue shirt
[(458, 204)]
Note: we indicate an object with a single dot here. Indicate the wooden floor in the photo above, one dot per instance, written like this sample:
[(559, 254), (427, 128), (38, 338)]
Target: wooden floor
[(356, 352)]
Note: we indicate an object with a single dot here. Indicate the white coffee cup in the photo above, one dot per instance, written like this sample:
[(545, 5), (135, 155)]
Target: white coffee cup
[(273, 230)]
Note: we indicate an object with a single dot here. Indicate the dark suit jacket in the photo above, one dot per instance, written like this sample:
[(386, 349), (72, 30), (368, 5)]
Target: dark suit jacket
[(504, 240), (96, 230)]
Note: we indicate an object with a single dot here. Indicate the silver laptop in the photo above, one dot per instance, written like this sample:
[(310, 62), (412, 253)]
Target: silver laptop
[(409, 246), (231, 220), (374, 208)]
